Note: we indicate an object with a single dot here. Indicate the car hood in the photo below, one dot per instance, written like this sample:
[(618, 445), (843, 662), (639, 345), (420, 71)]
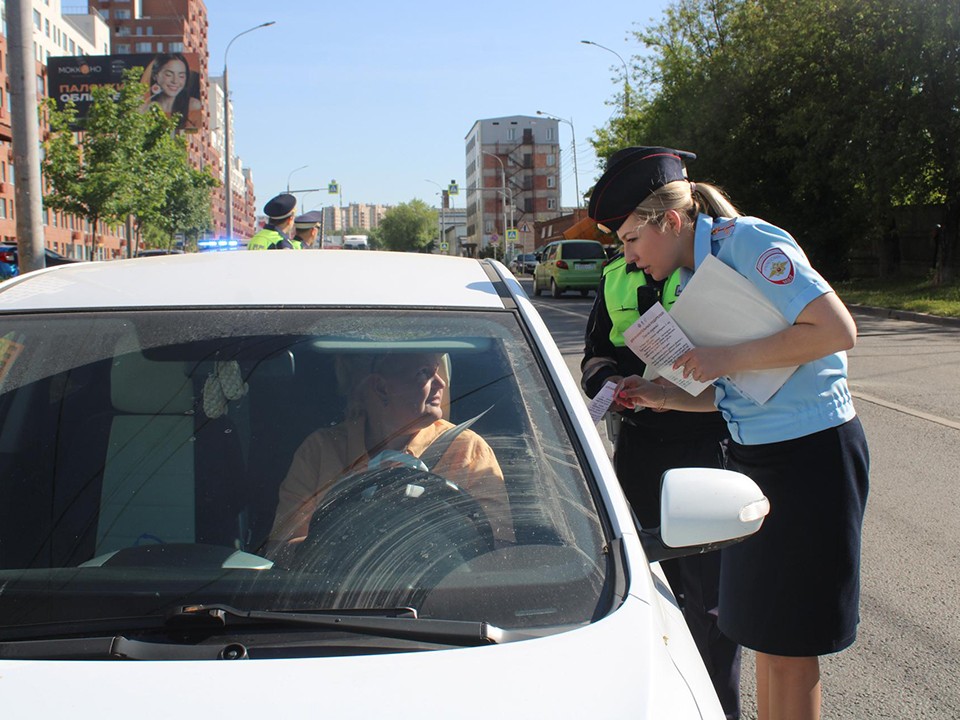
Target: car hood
[(626, 664)]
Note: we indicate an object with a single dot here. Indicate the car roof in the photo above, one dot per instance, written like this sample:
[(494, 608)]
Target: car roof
[(245, 278)]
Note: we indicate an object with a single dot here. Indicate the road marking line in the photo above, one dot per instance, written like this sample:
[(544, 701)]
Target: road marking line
[(544, 305), (905, 410)]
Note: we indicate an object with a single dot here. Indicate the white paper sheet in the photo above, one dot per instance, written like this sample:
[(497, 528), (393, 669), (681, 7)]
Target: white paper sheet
[(657, 339), (720, 307), (602, 401)]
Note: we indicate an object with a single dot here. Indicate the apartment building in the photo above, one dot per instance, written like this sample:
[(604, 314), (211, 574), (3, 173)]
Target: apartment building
[(513, 180), (336, 219)]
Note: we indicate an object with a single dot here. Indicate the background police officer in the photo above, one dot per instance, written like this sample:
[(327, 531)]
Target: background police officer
[(308, 229), (279, 211)]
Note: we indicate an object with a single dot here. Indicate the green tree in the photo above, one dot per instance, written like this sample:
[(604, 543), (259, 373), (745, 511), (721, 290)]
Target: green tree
[(819, 115), (185, 209), (409, 227), (121, 163)]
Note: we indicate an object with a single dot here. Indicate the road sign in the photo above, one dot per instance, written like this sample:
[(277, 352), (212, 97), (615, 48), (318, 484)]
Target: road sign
[(444, 246), (494, 239), (454, 189), (511, 234), (333, 187), (524, 228)]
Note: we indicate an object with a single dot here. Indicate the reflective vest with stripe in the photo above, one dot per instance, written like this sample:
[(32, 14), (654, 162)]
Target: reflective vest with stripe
[(620, 295), (263, 239)]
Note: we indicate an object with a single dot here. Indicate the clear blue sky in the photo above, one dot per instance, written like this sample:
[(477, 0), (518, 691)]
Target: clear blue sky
[(380, 94)]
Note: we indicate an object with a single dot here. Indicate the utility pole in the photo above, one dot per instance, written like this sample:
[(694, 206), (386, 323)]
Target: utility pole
[(28, 192)]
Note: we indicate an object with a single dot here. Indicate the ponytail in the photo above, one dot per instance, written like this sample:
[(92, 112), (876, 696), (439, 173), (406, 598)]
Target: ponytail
[(688, 197)]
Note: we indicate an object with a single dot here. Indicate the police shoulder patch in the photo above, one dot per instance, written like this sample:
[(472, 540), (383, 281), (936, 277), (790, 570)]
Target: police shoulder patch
[(776, 267)]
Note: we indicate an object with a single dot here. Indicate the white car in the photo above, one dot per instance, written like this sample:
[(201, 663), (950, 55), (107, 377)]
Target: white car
[(149, 412)]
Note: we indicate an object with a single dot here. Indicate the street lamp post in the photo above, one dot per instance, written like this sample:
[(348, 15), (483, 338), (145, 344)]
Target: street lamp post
[(290, 174), (443, 224), (503, 171), (626, 74), (228, 164), (573, 135)]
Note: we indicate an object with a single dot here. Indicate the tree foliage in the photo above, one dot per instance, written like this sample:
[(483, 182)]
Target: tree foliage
[(819, 115), (409, 227), (123, 162)]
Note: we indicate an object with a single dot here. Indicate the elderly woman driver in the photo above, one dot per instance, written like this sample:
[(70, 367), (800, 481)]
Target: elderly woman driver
[(394, 413)]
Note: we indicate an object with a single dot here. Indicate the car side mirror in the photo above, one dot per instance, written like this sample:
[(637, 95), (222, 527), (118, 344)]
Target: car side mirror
[(539, 257), (703, 509)]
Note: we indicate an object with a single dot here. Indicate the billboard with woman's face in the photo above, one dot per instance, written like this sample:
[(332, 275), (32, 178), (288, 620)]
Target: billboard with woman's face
[(173, 82), (175, 87)]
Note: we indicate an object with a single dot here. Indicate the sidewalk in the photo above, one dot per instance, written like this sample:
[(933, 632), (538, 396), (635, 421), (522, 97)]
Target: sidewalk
[(904, 315)]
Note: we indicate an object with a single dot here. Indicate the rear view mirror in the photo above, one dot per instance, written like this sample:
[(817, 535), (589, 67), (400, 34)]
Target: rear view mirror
[(702, 509)]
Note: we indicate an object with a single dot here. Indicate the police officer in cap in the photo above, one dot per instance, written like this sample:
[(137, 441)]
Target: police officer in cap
[(276, 233), (648, 443), (308, 228)]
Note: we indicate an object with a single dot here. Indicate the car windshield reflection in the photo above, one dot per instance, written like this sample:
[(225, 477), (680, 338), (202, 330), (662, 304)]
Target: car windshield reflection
[(304, 459)]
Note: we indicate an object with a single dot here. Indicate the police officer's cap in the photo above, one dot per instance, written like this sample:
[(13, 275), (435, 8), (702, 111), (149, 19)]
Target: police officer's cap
[(308, 220), (632, 174), (281, 207)]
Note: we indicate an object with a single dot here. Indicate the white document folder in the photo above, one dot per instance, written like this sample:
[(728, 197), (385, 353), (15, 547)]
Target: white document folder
[(720, 307)]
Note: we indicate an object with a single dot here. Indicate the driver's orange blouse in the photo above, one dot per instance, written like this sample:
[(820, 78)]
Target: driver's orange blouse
[(330, 453)]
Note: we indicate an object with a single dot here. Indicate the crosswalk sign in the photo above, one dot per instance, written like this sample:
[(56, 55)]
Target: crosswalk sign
[(333, 187), (454, 189), (511, 234)]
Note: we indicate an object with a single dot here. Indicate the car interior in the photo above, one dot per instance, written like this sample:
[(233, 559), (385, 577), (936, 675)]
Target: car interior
[(135, 445)]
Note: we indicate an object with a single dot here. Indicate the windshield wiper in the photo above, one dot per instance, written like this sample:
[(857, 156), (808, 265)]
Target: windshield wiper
[(400, 623)]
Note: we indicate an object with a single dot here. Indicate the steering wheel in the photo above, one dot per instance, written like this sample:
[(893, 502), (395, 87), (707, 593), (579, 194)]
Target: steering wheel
[(388, 535)]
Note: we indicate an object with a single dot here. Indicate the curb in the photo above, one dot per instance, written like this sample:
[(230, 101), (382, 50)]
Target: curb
[(904, 315)]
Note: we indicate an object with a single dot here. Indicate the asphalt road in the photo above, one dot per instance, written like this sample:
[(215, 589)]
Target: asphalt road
[(905, 377)]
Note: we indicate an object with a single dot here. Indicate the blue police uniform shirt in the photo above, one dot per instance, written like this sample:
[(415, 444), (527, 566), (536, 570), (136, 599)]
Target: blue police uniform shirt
[(815, 397)]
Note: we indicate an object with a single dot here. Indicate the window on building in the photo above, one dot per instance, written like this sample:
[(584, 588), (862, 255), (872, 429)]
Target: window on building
[(139, 30), (105, 14), (149, 29), (551, 204), (3, 208), (37, 20), (549, 133), (175, 47), (123, 31), (39, 86), (123, 48), (551, 160), (46, 27), (511, 133), (143, 47), (73, 48), (121, 14), (159, 46), (551, 181)]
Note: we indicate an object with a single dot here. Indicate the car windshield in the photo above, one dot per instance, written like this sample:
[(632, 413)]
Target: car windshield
[(161, 458), (583, 251)]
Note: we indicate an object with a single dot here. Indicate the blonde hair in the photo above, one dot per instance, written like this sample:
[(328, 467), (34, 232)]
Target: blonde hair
[(688, 197)]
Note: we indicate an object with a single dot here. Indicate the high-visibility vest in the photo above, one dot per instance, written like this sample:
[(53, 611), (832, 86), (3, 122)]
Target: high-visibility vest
[(263, 239), (620, 294)]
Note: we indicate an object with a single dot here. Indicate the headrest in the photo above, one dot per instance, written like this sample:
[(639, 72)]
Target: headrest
[(148, 387)]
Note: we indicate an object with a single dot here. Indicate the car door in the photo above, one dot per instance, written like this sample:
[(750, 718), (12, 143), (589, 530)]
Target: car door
[(541, 272)]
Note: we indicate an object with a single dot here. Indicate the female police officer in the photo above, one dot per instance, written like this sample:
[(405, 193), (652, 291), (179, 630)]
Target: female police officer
[(791, 592), (646, 444)]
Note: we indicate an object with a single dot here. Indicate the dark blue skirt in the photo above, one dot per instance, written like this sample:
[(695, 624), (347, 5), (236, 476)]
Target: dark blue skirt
[(793, 588)]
